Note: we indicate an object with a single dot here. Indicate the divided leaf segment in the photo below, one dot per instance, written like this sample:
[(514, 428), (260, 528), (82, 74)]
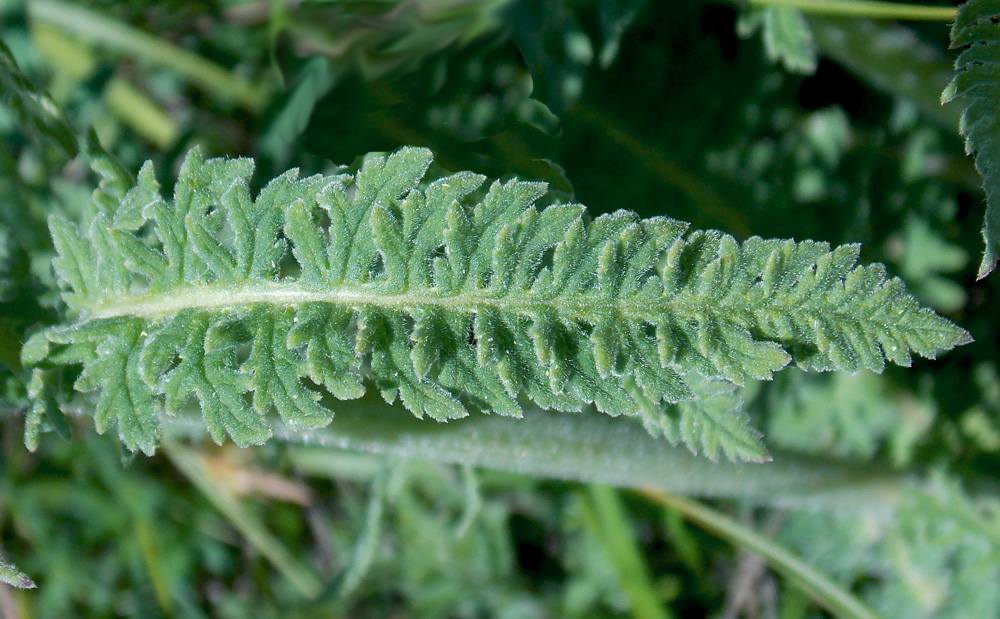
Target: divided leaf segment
[(976, 32), (445, 295)]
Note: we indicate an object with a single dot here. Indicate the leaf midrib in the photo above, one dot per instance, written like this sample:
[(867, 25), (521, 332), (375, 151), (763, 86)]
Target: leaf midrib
[(586, 307), (528, 302)]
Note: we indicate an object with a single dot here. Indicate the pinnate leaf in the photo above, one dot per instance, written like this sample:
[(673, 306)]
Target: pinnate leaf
[(976, 32), (445, 296)]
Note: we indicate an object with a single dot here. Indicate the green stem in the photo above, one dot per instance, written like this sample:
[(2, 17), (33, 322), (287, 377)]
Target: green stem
[(834, 598), (193, 467), (365, 550), (606, 519), (587, 447), (871, 9), (134, 42)]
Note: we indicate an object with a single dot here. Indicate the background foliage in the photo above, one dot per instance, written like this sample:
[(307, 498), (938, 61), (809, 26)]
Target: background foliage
[(753, 120)]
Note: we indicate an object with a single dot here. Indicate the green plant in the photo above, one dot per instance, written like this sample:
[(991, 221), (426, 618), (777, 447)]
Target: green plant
[(328, 320), (975, 32), (443, 302)]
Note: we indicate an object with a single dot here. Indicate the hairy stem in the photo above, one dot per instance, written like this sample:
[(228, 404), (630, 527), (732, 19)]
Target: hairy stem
[(588, 447)]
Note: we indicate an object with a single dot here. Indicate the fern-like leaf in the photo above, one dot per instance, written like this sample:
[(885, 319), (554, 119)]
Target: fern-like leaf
[(976, 32), (444, 297)]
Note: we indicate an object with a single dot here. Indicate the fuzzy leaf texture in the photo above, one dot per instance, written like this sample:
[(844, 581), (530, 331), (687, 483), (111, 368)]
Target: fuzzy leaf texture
[(445, 296), (11, 576), (976, 32)]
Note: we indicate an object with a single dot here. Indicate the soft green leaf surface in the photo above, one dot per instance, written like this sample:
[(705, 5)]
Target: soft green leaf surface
[(445, 297)]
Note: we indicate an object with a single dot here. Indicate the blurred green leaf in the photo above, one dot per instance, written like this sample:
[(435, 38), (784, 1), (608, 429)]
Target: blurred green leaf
[(786, 35), (32, 106)]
